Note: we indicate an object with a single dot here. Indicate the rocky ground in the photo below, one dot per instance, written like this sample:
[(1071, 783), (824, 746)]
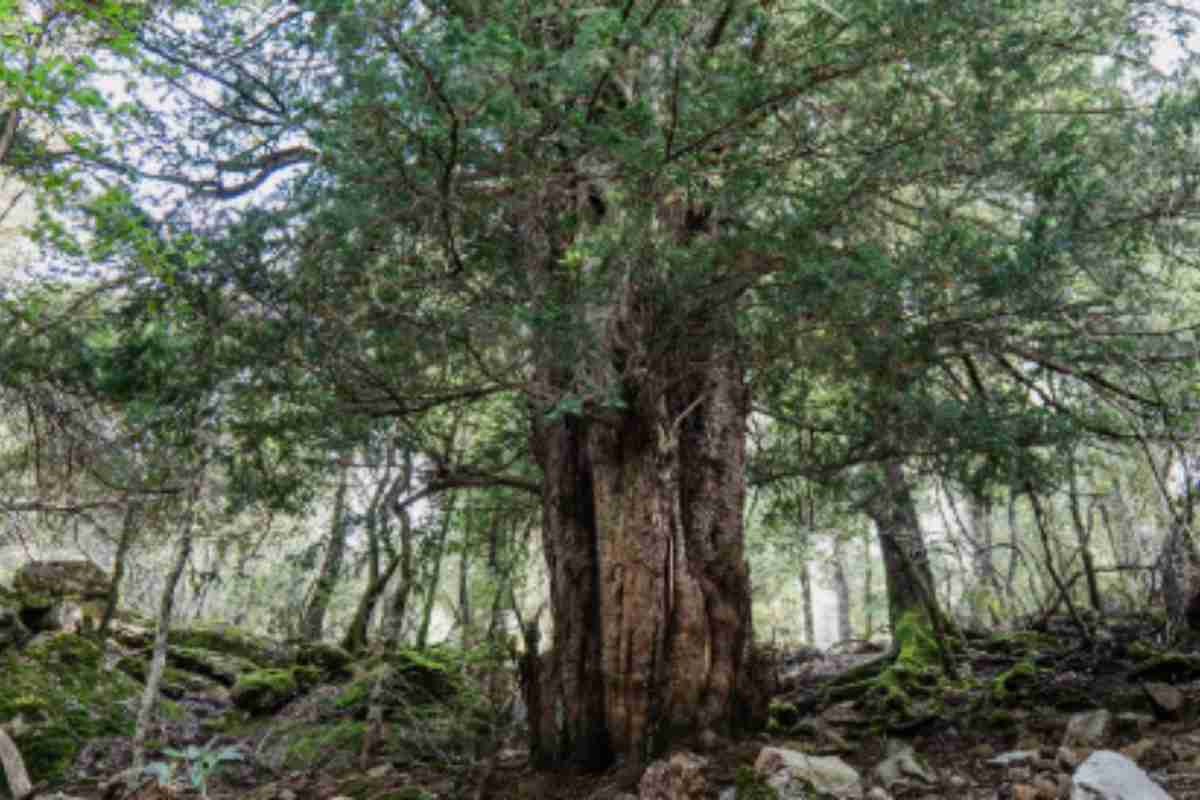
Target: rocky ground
[(1030, 714)]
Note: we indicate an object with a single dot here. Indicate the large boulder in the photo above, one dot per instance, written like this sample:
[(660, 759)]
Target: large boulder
[(1111, 776), (60, 594), (795, 775)]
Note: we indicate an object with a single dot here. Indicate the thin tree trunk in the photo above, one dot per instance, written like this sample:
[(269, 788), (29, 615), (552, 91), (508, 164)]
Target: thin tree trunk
[(331, 566), (841, 588), (868, 587), (1083, 535), (129, 529), (379, 515), (983, 536), (466, 616), (806, 605), (436, 577), (162, 628)]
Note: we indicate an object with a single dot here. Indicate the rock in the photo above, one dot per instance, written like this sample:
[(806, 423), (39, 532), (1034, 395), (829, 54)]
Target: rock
[(1111, 776), (81, 579), (1013, 758), (1166, 700), (1132, 722), (680, 777), (1023, 791), (903, 766), (1067, 758), (13, 632), (53, 595), (792, 774), (1087, 729), (264, 691), (878, 793)]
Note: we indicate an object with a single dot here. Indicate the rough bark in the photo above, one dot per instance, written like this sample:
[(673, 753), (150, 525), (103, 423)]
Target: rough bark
[(648, 584), (331, 566)]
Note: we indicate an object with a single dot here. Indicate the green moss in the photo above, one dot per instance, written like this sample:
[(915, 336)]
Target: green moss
[(58, 688), (266, 690), (341, 741), (229, 640), (1013, 685), (749, 785)]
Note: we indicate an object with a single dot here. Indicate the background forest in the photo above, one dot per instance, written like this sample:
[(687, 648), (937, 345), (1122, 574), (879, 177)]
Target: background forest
[(635, 336)]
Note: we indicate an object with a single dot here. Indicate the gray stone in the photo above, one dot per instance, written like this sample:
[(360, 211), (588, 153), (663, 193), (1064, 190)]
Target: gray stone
[(793, 774), (1087, 728), (903, 766), (1013, 758), (1111, 776), (1166, 699)]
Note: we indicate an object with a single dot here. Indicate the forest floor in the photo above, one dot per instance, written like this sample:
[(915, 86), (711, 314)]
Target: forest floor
[(1027, 708)]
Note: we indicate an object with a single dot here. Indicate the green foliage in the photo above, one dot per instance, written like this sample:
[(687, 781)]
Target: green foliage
[(200, 763)]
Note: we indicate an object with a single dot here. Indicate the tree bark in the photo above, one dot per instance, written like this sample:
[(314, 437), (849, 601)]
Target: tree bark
[(841, 588), (331, 566), (868, 588), (649, 588), (806, 605), (159, 658), (129, 527)]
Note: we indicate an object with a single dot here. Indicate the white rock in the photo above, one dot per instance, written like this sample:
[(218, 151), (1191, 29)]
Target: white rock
[(1111, 776), (792, 774)]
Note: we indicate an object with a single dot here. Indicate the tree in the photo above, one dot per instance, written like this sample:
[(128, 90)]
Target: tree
[(628, 223)]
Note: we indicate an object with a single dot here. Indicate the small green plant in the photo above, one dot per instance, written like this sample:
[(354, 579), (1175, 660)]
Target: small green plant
[(201, 763)]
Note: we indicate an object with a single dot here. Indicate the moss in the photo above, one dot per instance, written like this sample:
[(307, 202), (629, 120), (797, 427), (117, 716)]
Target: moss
[(1168, 667), (229, 640), (749, 785), (266, 690), (330, 743), (331, 660), (57, 687), (782, 716), (221, 667), (1013, 685)]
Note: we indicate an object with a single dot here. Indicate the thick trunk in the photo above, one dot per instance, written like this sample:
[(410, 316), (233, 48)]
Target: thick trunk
[(648, 584)]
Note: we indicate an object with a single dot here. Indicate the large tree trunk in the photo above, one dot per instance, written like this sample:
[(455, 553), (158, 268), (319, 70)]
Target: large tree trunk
[(649, 588)]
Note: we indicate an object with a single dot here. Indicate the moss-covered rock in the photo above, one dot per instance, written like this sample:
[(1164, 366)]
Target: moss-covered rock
[(230, 640), (56, 594), (266, 690), (224, 668), (333, 661), (58, 697), (1013, 685), (175, 683), (1168, 667)]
